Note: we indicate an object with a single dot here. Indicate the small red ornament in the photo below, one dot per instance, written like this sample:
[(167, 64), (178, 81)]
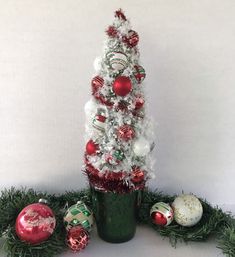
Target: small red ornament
[(112, 31), (131, 39), (91, 147), (119, 14), (126, 132), (35, 223), (122, 86), (77, 238), (158, 218), (139, 102), (137, 175), (96, 83), (122, 106), (139, 73)]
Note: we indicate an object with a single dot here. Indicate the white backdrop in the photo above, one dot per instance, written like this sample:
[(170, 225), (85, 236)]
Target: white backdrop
[(187, 47)]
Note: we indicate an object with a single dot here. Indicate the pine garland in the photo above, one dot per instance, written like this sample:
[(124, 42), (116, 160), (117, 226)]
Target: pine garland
[(12, 201)]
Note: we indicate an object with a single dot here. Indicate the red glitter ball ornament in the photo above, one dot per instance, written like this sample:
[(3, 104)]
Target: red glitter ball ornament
[(35, 223), (77, 238), (131, 39), (112, 31), (91, 147), (96, 83), (137, 175), (126, 132), (158, 218), (122, 86)]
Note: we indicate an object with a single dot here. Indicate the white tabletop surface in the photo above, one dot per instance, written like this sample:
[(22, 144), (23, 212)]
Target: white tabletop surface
[(145, 243)]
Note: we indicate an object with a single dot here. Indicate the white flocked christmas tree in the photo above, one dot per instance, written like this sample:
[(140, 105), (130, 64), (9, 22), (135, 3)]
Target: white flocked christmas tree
[(119, 136)]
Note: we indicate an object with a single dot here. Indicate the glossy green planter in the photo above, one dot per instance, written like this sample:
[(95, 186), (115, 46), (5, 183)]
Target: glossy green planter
[(115, 215)]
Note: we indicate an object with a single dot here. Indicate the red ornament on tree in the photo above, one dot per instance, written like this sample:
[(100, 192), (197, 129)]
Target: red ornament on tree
[(139, 73), (96, 83), (112, 31), (137, 175), (122, 86), (35, 223), (139, 102), (126, 132), (131, 39), (77, 238), (119, 14), (91, 147)]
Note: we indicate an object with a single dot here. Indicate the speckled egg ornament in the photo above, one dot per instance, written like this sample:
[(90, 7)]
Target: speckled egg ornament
[(161, 214), (187, 210), (78, 214)]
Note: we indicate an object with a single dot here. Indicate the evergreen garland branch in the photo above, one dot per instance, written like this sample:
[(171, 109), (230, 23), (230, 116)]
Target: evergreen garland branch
[(12, 201)]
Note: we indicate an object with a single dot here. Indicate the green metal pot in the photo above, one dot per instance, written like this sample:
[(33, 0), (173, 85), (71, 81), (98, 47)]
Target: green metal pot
[(115, 214)]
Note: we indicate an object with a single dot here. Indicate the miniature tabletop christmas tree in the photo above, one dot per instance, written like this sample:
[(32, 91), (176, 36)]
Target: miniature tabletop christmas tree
[(119, 135)]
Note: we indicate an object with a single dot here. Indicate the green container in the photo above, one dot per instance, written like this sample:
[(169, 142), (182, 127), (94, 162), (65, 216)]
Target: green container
[(115, 214)]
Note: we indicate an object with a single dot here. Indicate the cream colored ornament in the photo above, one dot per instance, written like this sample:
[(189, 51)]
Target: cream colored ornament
[(141, 147), (117, 60), (97, 64), (90, 108), (187, 210)]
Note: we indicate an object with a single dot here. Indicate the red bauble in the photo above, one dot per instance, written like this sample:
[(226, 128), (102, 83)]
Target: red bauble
[(126, 132), (77, 238), (139, 102), (122, 106), (158, 218), (91, 147), (137, 175), (122, 86), (35, 223), (96, 83), (119, 14), (111, 31), (131, 39), (139, 73)]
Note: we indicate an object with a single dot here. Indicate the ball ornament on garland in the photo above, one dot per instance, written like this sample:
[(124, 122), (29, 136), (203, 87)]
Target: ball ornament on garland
[(35, 223), (117, 60), (126, 132), (161, 214), (131, 39), (141, 147), (187, 210), (77, 238), (122, 86), (91, 147), (78, 214), (139, 73)]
